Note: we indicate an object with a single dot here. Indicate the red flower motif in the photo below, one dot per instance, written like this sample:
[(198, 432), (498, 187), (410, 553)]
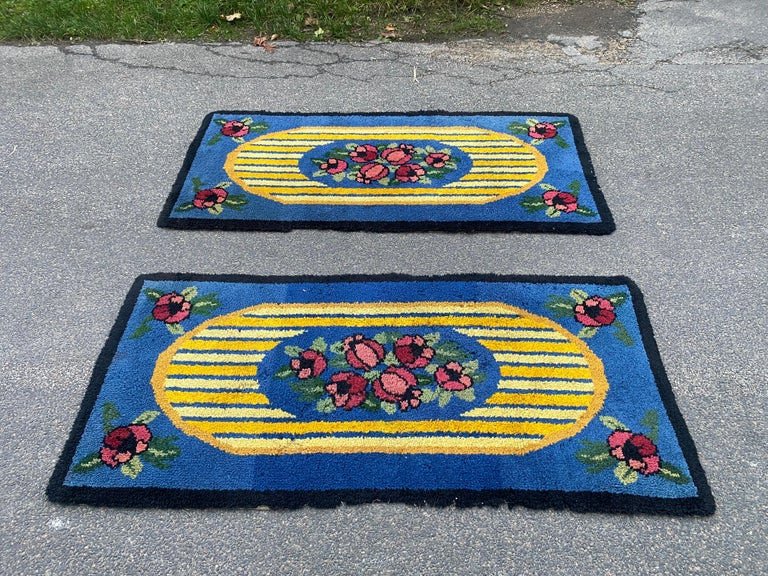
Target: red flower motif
[(409, 173), (595, 311), (398, 385), (396, 156), (542, 130), (209, 197), (413, 351), (562, 201), (364, 153), (637, 450), (407, 148), (370, 172), (309, 364), (347, 390), (123, 443), (362, 353), (171, 308), (451, 377), (437, 159), (235, 129), (334, 166)]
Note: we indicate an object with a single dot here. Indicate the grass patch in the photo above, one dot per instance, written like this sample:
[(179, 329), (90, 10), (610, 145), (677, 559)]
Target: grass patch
[(152, 20)]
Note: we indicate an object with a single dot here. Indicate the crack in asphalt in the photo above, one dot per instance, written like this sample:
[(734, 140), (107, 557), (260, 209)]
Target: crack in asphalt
[(447, 60)]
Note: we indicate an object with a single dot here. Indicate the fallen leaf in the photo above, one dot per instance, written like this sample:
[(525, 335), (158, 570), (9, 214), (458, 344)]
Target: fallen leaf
[(311, 22), (263, 42), (274, 37), (319, 32), (390, 32), (232, 17)]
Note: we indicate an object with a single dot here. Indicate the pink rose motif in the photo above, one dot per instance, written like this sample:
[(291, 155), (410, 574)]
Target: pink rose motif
[(637, 450), (437, 159), (398, 385), (364, 153), (562, 201), (123, 443), (209, 197), (371, 172), (595, 311), (407, 148), (347, 390), (451, 377), (396, 156), (362, 353), (171, 308), (334, 166), (542, 131), (413, 351), (235, 129), (409, 173), (309, 364)]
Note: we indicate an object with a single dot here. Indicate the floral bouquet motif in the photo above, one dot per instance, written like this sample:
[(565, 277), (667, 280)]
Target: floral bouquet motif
[(390, 371), (386, 164)]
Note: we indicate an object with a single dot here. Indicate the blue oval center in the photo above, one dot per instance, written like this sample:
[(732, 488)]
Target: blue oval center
[(385, 163), (452, 373)]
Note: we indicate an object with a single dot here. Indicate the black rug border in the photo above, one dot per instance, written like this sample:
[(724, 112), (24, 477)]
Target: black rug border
[(605, 502), (605, 226)]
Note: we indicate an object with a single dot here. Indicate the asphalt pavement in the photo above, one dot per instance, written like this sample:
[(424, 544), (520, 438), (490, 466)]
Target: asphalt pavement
[(675, 116)]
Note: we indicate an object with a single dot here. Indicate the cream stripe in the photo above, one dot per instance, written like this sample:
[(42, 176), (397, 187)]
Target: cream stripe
[(547, 413), (241, 384), (486, 184), (485, 143), (442, 130), (285, 183), (248, 334), (542, 359), (270, 169), (375, 310), (264, 161), (269, 155), (218, 358), (254, 144), (401, 444), (289, 147), (372, 200), (206, 412), (559, 385), (507, 333), (397, 134), (260, 173), (505, 170)]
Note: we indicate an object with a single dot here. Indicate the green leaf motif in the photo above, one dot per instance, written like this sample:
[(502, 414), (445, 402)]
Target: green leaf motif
[(132, 468), (574, 188), (613, 424), (225, 184), (109, 413), (625, 474), (596, 458), (651, 423), (560, 141), (531, 122), (284, 372), (584, 211), (443, 397), (214, 139), (471, 366), (175, 329), (189, 293), (371, 374), (185, 207), (553, 212), (236, 201), (325, 405), (587, 332), (518, 128), (389, 407), (197, 184), (88, 463), (319, 345), (547, 187), (431, 368), (431, 338), (620, 331), (371, 404), (673, 474), (427, 395), (617, 299), (578, 295), (467, 395), (146, 417), (153, 293), (216, 209), (537, 141), (293, 351), (143, 328), (337, 347), (391, 360), (204, 305)]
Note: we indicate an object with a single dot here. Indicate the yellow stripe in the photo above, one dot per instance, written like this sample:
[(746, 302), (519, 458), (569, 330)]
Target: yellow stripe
[(208, 412), (394, 427), (248, 334), (276, 188), (384, 321), (527, 346), (289, 185), (467, 143), (255, 154), (523, 169), (384, 200), (218, 357), (487, 185), (193, 383), (251, 345), (541, 359), (543, 335), (183, 397), (490, 149), (264, 161), (541, 399), (442, 130), (564, 385), (248, 174), (545, 372), (399, 135), (256, 144), (382, 309), (402, 445), (492, 163), (259, 147), (199, 370), (549, 414), (507, 176), (278, 170)]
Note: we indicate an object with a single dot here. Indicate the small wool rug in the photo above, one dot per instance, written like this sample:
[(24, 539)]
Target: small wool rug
[(498, 171), (465, 390)]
